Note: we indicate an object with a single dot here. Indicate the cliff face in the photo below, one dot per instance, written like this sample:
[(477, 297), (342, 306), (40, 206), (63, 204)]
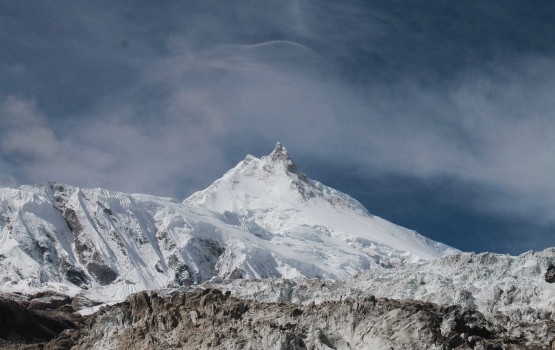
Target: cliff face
[(210, 319)]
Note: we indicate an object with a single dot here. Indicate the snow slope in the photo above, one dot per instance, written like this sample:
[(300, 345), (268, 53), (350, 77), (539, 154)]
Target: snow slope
[(264, 218), (110, 243), (275, 195)]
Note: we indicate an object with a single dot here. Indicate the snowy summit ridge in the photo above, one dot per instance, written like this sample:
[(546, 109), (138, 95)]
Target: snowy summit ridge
[(263, 218), (273, 193), (274, 179)]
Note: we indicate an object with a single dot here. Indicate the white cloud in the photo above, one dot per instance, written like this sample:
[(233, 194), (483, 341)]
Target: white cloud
[(24, 130)]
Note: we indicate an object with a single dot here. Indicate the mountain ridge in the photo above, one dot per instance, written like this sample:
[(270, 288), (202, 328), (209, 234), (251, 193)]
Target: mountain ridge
[(111, 244)]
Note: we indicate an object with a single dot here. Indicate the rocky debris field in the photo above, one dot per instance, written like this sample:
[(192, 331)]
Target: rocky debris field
[(212, 319)]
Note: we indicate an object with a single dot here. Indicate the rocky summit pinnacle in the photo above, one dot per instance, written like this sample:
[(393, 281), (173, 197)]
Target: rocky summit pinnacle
[(279, 151), (280, 154)]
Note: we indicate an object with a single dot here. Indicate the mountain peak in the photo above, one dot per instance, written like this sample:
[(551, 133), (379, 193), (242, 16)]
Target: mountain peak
[(267, 182), (280, 154), (275, 200)]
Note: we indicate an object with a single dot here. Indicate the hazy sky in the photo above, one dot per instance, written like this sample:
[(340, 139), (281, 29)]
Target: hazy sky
[(437, 115)]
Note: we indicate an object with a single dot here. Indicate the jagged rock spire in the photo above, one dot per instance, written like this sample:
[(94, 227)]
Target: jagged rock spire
[(279, 152)]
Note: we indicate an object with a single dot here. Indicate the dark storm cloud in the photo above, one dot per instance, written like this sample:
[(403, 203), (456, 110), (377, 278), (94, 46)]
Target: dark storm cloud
[(425, 90)]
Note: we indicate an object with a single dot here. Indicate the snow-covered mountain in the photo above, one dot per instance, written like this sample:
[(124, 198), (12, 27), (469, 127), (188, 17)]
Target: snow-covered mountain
[(302, 265), (264, 218), (273, 194)]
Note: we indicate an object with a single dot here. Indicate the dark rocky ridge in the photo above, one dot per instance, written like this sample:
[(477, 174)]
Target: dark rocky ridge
[(84, 248), (280, 154), (550, 274), (30, 321), (210, 319)]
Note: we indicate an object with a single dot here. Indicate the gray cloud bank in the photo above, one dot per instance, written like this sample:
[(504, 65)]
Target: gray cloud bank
[(438, 92)]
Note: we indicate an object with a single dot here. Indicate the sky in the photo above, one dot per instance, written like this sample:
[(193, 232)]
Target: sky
[(437, 115)]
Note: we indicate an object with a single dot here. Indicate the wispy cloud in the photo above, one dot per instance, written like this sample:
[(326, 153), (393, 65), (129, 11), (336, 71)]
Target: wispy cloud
[(104, 151), (347, 83)]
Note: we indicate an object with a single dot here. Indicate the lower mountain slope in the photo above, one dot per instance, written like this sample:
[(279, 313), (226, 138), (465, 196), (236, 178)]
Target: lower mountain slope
[(212, 319), (516, 293)]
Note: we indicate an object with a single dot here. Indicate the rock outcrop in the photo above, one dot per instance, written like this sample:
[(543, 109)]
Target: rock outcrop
[(550, 274), (212, 319), (27, 322)]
